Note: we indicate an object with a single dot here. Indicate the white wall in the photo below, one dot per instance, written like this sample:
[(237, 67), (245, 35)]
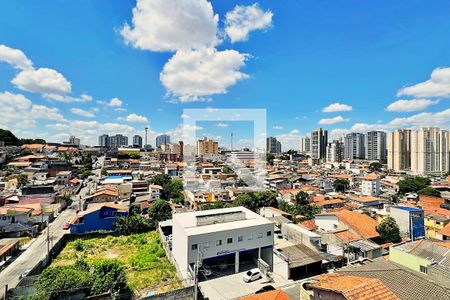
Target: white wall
[(327, 222)]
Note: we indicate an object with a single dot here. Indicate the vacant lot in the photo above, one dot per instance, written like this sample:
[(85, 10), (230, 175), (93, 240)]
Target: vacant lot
[(142, 255)]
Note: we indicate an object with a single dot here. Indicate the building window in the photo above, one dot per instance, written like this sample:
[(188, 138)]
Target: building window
[(219, 243), (260, 235), (229, 240), (194, 246), (206, 245), (424, 269), (240, 238), (269, 233)]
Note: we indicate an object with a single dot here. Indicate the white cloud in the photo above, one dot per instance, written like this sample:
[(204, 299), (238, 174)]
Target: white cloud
[(277, 127), (329, 121), (186, 133), (134, 118), (223, 125), (243, 19), (68, 99), (18, 112), (289, 140), (194, 74), (82, 112), (15, 58), (410, 105), (115, 102), (335, 107), (58, 126), (42, 80), (170, 25), (437, 86), (338, 132)]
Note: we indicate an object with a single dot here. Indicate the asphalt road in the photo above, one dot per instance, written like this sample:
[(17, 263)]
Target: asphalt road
[(35, 252)]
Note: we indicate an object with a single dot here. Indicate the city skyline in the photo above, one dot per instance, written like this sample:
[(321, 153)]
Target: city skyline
[(350, 73)]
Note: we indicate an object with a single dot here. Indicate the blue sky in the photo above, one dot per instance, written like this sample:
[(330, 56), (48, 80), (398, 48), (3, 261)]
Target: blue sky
[(294, 58)]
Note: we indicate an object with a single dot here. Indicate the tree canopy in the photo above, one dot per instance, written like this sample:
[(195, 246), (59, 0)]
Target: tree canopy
[(341, 185), (159, 211), (429, 191), (413, 184), (389, 230), (9, 138), (375, 166)]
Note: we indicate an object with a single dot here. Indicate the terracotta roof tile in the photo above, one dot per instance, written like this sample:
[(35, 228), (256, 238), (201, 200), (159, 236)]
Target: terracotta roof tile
[(270, 295), (361, 223)]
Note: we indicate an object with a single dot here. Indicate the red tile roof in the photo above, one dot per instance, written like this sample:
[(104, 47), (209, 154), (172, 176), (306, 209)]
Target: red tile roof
[(270, 295), (360, 223)]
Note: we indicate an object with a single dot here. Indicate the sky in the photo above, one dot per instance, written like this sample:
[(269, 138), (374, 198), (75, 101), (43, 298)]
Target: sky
[(87, 67)]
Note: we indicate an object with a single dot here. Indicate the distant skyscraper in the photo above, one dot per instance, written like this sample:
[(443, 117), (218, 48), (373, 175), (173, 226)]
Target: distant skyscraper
[(399, 149), (430, 151), (305, 145), (272, 145), (118, 141), (162, 139), (104, 140), (375, 145), (137, 141), (354, 146), (319, 140), (335, 151), (74, 140)]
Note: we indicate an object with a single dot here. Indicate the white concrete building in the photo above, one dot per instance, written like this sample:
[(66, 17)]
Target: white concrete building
[(370, 185), (230, 235)]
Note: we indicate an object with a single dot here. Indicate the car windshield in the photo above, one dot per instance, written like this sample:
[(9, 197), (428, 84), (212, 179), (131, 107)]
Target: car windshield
[(249, 273)]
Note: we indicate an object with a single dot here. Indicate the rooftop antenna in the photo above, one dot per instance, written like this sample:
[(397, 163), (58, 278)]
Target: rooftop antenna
[(231, 142)]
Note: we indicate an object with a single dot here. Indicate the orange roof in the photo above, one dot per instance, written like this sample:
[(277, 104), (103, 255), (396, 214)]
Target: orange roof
[(108, 192), (270, 295), (306, 188), (445, 230), (444, 244), (354, 287), (340, 176), (365, 199), (309, 224), (437, 212), (346, 236), (361, 223), (33, 146), (430, 201), (328, 202), (370, 177), (289, 191)]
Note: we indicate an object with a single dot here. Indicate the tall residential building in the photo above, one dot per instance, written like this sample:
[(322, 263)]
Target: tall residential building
[(354, 146), (272, 145), (207, 147), (162, 140), (137, 141), (118, 141), (104, 140), (73, 140), (429, 151), (335, 151), (375, 145), (305, 145), (319, 141), (399, 149)]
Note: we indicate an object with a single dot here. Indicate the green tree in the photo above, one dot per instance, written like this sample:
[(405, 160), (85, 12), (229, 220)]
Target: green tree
[(159, 211), (214, 205), (265, 198), (429, 191), (245, 200), (341, 185), (302, 198), (174, 191), (134, 223), (9, 138), (227, 169), (163, 180), (388, 230), (26, 152), (413, 184), (269, 158), (241, 183), (375, 166), (109, 276)]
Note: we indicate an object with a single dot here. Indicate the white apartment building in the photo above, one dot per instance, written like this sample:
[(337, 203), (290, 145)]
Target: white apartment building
[(235, 236), (335, 151), (370, 185), (399, 149), (305, 145), (375, 145), (430, 151)]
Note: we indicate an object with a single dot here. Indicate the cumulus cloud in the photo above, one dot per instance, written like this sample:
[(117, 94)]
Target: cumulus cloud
[(329, 121), (15, 58), (437, 86), (115, 102), (338, 133), (67, 98), (134, 118), (82, 112), (410, 105), (335, 107), (186, 133), (290, 140), (277, 127), (42, 80), (223, 125), (170, 25), (18, 112), (58, 126), (240, 21), (194, 74)]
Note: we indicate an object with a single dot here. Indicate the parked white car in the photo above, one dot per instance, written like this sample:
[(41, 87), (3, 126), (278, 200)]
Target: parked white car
[(252, 275)]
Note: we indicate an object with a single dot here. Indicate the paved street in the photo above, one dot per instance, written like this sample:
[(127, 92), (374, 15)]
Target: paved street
[(35, 252)]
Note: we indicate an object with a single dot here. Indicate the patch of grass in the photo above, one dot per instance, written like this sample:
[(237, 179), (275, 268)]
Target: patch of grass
[(142, 256)]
